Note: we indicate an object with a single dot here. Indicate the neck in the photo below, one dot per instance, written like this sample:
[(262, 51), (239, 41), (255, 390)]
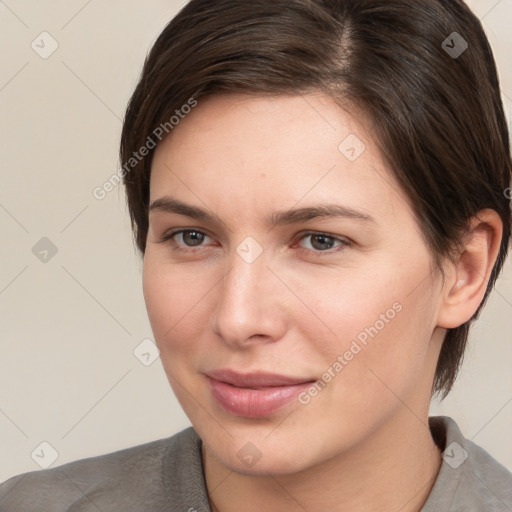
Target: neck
[(394, 469)]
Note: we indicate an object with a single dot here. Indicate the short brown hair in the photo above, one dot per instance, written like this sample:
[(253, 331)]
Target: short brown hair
[(434, 104)]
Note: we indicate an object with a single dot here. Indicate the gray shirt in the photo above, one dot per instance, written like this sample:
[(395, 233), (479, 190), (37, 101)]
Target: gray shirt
[(167, 476)]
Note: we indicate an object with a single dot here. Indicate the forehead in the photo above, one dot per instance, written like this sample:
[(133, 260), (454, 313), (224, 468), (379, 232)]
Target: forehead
[(277, 121), (270, 152)]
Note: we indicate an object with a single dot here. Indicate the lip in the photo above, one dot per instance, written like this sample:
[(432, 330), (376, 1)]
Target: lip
[(256, 394)]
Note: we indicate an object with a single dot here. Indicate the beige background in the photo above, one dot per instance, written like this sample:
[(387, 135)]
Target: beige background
[(68, 375)]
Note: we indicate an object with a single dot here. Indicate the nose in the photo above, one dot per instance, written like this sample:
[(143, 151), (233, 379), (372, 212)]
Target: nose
[(249, 310)]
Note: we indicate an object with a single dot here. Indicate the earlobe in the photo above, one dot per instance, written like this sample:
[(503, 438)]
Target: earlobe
[(468, 276)]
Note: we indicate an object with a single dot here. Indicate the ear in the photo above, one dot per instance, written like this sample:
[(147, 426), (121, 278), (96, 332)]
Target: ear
[(467, 278)]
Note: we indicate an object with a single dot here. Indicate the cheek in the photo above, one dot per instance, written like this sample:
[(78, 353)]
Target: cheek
[(175, 302), (372, 328)]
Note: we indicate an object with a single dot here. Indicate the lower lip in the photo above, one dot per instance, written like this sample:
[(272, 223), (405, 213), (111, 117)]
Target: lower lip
[(254, 403)]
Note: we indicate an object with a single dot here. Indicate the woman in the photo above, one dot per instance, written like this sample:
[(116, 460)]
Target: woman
[(320, 191)]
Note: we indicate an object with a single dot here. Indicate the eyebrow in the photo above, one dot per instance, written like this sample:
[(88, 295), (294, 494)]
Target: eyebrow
[(168, 204)]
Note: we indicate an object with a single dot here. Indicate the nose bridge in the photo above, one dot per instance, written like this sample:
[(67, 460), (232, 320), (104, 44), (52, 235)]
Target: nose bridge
[(247, 302), (243, 283)]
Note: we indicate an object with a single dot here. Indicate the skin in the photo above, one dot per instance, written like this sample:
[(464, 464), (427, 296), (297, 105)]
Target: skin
[(362, 443)]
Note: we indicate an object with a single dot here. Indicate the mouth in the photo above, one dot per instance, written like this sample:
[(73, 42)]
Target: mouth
[(254, 395)]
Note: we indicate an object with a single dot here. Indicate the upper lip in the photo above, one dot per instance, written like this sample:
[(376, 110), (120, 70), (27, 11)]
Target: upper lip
[(255, 379)]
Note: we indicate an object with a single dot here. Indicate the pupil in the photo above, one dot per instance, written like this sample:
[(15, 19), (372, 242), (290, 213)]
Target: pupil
[(192, 237), (324, 241)]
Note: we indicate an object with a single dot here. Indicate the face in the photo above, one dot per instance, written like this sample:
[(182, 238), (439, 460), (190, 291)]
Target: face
[(287, 283)]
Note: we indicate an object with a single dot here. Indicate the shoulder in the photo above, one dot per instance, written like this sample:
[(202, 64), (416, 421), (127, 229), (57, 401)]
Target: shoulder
[(487, 479), (127, 480), (470, 479)]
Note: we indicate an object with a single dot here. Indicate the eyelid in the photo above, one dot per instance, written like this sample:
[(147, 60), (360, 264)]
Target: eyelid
[(339, 238), (168, 236)]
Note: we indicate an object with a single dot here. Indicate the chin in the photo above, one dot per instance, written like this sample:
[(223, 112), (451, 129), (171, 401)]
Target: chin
[(275, 463), (257, 451)]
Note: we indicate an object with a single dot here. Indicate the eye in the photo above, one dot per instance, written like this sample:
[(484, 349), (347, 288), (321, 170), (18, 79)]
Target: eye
[(183, 238), (191, 238), (322, 243)]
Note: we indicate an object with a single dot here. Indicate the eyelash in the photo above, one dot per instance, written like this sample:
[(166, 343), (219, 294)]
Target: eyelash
[(169, 238)]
